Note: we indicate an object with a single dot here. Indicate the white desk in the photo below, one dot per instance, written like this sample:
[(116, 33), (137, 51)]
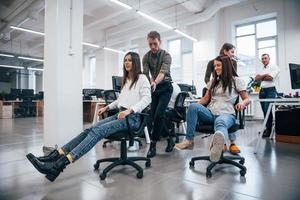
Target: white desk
[(272, 106)]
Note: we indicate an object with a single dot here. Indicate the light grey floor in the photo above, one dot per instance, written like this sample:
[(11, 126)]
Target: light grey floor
[(272, 174)]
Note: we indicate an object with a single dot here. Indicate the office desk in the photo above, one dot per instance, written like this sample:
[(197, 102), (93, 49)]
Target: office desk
[(271, 108), (89, 109), (16, 103)]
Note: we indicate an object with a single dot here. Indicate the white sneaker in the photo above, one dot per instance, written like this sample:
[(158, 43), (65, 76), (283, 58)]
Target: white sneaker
[(217, 145)]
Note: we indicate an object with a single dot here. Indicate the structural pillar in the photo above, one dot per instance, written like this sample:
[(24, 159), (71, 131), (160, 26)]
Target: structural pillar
[(62, 71)]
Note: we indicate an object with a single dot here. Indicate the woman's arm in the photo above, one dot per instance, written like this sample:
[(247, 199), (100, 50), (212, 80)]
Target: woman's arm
[(242, 105), (205, 100)]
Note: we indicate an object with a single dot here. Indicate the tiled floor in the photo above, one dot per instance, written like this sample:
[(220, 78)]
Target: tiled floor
[(272, 174)]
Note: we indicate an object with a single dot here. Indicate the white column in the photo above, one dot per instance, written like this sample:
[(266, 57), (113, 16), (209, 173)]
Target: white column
[(62, 71)]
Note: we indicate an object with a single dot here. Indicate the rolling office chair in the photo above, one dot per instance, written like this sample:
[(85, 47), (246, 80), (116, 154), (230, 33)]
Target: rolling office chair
[(209, 128), (178, 114), (123, 136), (110, 96)]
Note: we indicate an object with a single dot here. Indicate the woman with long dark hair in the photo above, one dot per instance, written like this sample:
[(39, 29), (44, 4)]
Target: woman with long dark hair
[(220, 98), (135, 96), (227, 49)]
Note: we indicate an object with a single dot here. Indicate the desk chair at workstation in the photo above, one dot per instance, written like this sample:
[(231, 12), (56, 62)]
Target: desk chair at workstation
[(178, 115), (209, 128), (124, 136), (110, 96)]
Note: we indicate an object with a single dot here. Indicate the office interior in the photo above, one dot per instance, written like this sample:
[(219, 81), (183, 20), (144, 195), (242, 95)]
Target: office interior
[(58, 58)]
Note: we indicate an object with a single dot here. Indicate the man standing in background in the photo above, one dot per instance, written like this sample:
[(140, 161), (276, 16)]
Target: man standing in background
[(267, 76)]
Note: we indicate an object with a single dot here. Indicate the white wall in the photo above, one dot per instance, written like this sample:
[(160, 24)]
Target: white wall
[(106, 67)]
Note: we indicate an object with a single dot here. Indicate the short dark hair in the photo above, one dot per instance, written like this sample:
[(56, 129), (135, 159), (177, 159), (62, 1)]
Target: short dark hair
[(265, 54), (153, 35), (227, 47)]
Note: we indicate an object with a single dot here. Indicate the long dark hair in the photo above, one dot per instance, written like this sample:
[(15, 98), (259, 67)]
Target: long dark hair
[(136, 69), (227, 47), (227, 77)]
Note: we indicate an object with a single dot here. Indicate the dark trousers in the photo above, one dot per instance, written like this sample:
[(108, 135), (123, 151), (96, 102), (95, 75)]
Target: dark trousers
[(267, 93), (168, 126), (160, 100)]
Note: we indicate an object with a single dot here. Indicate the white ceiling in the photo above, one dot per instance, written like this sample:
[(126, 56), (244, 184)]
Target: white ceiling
[(104, 21)]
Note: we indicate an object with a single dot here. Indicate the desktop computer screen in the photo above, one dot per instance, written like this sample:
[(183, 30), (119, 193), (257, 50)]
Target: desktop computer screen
[(117, 83), (295, 75)]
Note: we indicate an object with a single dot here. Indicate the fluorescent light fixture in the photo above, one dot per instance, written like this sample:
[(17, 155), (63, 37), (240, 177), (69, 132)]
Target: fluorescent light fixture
[(12, 66), (185, 35), (29, 58), (27, 30), (114, 50), (35, 69), (154, 20), (7, 55), (121, 4), (90, 44)]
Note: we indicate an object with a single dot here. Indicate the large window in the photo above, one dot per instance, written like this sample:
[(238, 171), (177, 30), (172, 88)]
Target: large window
[(253, 40), (92, 64), (182, 60)]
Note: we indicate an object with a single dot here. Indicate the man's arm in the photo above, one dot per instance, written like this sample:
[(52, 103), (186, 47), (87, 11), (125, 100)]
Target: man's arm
[(165, 68), (208, 72), (146, 67)]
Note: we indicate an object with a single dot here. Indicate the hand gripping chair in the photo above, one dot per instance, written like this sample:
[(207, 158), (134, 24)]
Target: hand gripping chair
[(123, 136), (209, 128)]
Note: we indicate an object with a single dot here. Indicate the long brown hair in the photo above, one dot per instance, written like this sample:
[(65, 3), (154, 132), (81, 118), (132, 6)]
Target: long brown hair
[(227, 77), (227, 47), (136, 69)]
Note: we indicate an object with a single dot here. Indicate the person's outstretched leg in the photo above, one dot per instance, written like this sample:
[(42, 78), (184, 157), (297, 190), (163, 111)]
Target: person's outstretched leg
[(196, 112), (53, 169), (221, 126)]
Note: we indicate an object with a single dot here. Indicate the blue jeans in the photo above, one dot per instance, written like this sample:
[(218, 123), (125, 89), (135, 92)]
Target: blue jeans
[(199, 113), (86, 140), (267, 93)]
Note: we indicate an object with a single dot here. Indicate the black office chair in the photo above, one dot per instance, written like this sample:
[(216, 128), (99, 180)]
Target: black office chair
[(178, 114), (123, 136), (110, 96), (209, 128)]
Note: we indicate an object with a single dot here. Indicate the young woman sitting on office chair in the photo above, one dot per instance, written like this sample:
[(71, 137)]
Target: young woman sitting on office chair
[(135, 96), (220, 98)]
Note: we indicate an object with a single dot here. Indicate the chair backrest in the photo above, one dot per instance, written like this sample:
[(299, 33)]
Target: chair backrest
[(110, 96), (179, 105), (188, 88)]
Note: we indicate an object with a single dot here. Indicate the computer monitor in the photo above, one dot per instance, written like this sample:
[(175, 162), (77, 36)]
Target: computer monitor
[(15, 92), (117, 83), (295, 75)]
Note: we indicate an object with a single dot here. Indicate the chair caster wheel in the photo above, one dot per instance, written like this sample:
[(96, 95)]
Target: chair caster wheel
[(96, 166), (242, 161), (192, 163), (140, 174), (243, 172), (148, 163), (208, 174), (102, 176)]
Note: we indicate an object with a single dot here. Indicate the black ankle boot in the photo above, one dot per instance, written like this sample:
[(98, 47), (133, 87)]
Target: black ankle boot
[(52, 156), (152, 150), (170, 145), (51, 169)]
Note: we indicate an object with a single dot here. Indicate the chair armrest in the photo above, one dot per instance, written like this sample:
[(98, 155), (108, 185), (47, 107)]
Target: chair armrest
[(241, 118), (135, 133)]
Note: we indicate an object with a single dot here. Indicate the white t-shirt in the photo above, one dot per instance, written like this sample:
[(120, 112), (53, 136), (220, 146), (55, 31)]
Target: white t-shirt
[(223, 102), (137, 98), (271, 70), (176, 91)]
